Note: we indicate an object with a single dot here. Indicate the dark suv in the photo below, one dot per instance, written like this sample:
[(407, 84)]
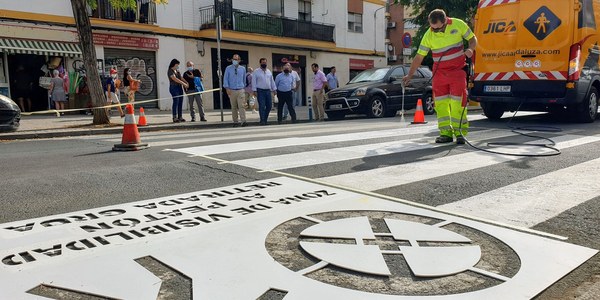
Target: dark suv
[(378, 93)]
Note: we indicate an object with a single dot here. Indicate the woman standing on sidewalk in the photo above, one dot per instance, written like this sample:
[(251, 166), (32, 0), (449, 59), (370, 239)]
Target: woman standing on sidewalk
[(57, 91), (131, 85), (176, 86)]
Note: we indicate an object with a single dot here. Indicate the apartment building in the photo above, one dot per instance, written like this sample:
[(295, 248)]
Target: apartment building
[(39, 35)]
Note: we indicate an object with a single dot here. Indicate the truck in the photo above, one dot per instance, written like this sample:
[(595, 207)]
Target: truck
[(537, 55)]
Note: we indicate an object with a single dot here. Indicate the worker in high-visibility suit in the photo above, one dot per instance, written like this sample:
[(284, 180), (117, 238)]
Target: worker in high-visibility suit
[(444, 39)]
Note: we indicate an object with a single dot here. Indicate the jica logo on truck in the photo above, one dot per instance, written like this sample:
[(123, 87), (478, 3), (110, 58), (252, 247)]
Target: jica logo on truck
[(500, 27)]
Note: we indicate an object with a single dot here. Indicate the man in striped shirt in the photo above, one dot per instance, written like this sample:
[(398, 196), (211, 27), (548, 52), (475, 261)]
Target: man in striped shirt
[(444, 39)]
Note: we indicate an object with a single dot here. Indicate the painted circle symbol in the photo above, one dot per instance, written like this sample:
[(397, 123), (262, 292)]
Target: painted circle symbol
[(391, 253), (537, 63), (527, 64)]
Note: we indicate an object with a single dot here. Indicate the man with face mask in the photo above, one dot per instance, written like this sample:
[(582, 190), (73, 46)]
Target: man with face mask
[(192, 95), (285, 83), (263, 87), (234, 82), (112, 93), (319, 84)]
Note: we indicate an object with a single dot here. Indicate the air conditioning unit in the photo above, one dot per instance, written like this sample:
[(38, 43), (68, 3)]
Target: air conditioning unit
[(392, 57), (391, 25)]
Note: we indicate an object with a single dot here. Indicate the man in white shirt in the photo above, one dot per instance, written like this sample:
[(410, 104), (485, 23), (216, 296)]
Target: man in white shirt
[(263, 87)]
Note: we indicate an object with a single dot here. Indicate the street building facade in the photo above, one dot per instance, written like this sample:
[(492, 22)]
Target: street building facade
[(41, 37)]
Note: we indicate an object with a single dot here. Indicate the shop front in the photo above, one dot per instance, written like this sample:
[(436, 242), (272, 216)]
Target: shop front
[(359, 65), (26, 66), (136, 53)]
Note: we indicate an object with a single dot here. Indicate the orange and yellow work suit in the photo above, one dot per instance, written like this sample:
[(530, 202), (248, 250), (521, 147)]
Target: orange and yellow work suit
[(450, 79)]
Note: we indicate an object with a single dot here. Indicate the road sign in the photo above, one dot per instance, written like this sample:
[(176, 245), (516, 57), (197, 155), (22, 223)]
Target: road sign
[(407, 51), (406, 40)]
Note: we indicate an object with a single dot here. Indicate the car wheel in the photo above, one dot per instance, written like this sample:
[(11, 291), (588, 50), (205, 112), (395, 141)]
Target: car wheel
[(588, 109), (492, 111), (428, 105), (376, 107), (335, 115)]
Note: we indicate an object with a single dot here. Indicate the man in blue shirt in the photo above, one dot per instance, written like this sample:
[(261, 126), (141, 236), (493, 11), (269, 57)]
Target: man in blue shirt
[(285, 83), (332, 80), (263, 87), (234, 82)]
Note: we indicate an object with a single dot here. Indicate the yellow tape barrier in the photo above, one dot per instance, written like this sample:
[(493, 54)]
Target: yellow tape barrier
[(57, 112)]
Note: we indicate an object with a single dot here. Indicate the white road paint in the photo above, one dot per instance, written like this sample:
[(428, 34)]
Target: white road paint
[(381, 178), (303, 159), (535, 200), (300, 141)]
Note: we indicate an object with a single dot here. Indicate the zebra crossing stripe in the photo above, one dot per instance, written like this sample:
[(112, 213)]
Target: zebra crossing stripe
[(299, 141), (303, 159), (535, 200), (387, 177)]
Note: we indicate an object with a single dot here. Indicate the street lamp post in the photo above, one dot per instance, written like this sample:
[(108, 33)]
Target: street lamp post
[(375, 28), (219, 71)]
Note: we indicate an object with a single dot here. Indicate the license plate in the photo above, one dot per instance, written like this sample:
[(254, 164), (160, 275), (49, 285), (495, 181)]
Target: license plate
[(335, 106), (497, 88)]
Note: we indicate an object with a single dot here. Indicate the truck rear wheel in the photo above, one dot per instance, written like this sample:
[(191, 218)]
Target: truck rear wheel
[(492, 111), (588, 108)]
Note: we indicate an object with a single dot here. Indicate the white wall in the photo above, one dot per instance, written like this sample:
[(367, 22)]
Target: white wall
[(169, 48), (54, 7)]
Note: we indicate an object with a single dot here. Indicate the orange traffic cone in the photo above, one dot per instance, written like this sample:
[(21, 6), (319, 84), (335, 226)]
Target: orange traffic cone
[(131, 137), (419, 115), (142, 121)]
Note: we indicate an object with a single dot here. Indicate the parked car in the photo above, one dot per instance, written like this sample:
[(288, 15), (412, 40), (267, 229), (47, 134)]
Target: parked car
[(378, 93), (10, 114)]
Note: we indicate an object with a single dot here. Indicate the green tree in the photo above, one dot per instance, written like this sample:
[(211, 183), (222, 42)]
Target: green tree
[(84, 31), (460, 9)]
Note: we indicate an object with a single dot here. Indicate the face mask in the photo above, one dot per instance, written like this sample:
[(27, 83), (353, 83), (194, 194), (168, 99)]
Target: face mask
[(235, 62), (190, 69), (286, 71), (263, 66)]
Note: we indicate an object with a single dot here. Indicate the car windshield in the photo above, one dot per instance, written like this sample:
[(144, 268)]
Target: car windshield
[(370, 75)]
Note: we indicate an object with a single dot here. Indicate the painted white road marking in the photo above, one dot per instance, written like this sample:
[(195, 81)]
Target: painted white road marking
[(535, 200), (386, 177), (300, 141)]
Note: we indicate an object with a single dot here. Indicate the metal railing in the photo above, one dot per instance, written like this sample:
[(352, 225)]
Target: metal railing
[(145, 12), (246, 21)]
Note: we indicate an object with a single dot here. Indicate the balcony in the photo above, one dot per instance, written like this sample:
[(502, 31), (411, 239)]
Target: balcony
[(144, 14), (246, 21)]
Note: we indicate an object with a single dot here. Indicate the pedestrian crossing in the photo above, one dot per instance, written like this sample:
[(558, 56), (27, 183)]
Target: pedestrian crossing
[(385, 160)]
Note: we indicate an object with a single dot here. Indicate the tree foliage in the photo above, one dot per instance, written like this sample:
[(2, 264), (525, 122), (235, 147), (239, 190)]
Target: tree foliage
[(460, 9)]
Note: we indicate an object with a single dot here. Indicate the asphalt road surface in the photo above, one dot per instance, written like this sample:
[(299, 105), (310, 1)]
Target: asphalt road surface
[(552, 199)]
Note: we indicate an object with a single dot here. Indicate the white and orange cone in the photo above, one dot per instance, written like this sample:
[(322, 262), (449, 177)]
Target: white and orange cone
[(131, 137)]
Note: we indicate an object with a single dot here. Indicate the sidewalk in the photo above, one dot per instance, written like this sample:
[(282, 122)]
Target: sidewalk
[(49, 126)]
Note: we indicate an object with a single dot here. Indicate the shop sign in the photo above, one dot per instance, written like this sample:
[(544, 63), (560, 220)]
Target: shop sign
[(361, 64), (125, 41)]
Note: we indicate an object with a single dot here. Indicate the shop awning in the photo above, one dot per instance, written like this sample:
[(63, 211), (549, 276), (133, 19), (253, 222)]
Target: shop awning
[(16, 46)]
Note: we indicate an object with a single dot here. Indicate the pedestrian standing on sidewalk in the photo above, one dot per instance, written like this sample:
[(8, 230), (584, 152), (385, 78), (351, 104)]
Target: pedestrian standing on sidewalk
[(295, 91), (176, 86), (199, 88), (57, 91), (192, 93), (445, 38), (112, 92), (332, 80), (318, 96), (250, 99), (264, 89), (285, 83), (234, 83), (131, 85)]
